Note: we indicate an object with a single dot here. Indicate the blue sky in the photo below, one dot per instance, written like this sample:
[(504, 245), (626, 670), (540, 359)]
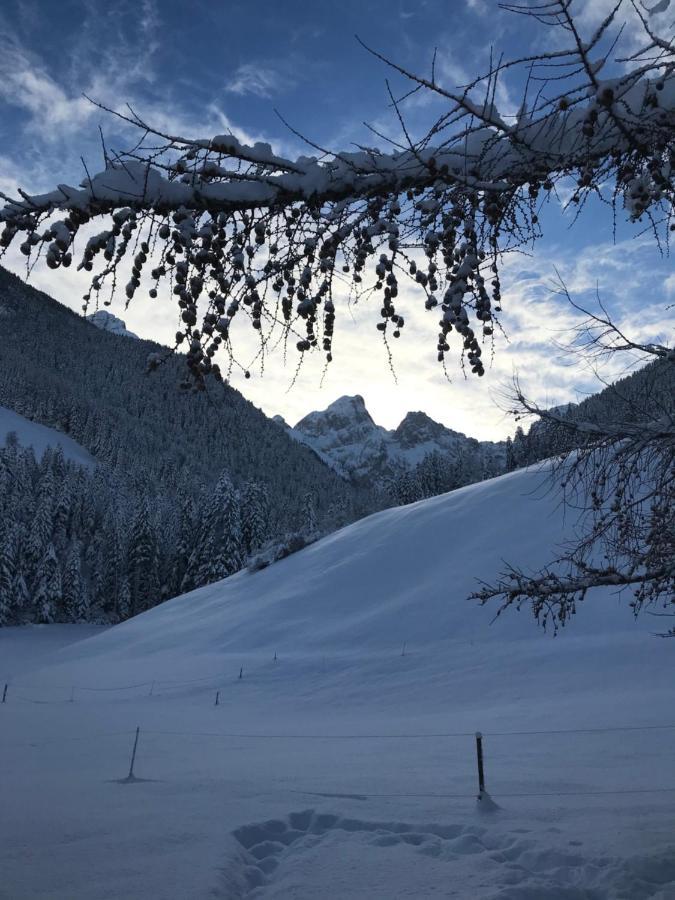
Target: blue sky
[(208, 67)]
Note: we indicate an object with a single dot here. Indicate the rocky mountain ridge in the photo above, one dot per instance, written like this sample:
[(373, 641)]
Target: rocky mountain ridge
[(346, 437)]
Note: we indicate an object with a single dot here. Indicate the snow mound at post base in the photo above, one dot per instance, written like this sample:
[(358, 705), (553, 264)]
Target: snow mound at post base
[(389, 594)]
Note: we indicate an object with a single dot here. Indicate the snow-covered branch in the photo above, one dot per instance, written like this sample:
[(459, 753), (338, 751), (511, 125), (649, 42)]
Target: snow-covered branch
[(516, 586), (237, 231)]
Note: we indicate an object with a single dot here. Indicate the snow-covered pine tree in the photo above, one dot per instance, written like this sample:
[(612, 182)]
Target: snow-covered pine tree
[(21, 600), (7, 572), (255, 516), (142, 560), (41, 528), (219, 549), (406, 486), (187, 525), (123, 610), (114, 566), (232, 551), (75, 597), (62, 511), (48, 595), (310, 525)]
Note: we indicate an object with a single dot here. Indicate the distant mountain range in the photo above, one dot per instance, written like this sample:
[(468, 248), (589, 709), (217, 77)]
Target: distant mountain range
[(345, 436)]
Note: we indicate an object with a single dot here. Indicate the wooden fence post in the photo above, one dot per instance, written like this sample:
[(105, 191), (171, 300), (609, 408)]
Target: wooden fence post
[(481, 770), (131, 776)]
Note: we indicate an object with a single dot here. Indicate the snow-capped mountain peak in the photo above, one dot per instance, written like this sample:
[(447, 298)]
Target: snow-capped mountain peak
[(418, 428), (345, 436), (106, 321), (343, 413)]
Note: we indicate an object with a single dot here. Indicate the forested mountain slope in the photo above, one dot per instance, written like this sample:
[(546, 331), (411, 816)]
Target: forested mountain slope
[(647, 394), (91, 384), (187, 485)]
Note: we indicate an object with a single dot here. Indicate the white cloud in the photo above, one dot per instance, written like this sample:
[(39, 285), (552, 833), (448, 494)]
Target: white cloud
[(60, 124), (25, 84), (259, 80)]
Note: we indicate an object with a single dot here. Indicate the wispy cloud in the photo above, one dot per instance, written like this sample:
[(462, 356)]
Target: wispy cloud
[(24, 83), (56, 120), (259, 80)]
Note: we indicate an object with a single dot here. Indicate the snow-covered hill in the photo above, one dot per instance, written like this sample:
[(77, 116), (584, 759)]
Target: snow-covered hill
[(339, 761), (39, 437), (399, 576), (345, 436), (106, 321)]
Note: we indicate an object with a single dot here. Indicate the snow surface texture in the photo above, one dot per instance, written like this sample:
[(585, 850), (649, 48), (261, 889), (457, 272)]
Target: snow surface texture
[(340, 759), (108, 322), (39, 437), (345, 436), (26, 649)]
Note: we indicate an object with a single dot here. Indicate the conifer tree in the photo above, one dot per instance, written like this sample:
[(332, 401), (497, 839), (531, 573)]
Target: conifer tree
[(7, 574), (254, 516), (114, 566), (75, 599), (48, 595), (232, 553), (185, 543), (41, 528), (124, 600), (309, 518), (142, 560), (62, 512), (219, 551), (21, 599)]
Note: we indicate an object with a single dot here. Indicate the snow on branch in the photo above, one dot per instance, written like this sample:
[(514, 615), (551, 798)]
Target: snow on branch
[(238, 232)]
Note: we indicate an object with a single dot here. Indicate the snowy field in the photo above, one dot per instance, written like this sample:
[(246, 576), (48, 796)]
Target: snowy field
[(39, 437), (345, 767)]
